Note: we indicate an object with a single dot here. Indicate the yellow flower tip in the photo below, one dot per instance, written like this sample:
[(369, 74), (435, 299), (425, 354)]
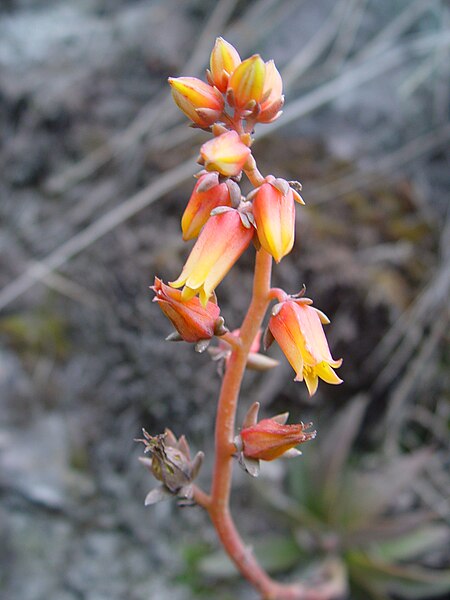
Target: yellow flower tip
[(311, 380), (223, 61), (199, 101), (246, 84), (177, 283), (187, 293), (226, 154)]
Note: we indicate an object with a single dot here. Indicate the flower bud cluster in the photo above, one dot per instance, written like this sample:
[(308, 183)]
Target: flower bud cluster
[(238, 93), (251, 87)]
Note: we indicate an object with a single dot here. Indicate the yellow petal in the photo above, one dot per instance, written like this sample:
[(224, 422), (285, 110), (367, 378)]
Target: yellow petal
[(325, 372), (247, 81)]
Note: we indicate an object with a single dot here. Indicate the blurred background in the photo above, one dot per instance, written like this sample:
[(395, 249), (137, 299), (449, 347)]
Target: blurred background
[(96, 168)]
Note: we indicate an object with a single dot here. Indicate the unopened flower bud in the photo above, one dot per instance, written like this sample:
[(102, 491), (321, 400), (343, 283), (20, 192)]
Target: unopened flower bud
[(268, 439), (224, 60), (202, 103), (221, 242), (274, 213), (200, 205), (225, 154), (246, 84), (192, 321), (272, 98), (297, 327)]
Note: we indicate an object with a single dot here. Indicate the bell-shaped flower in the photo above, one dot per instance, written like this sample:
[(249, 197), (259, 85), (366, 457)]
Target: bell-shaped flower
[(223, 61), (208, 194), (192, 321), (274, 213), (297, 327), (202, 103), (246, 83), (226, 154), (268, 439), (272, 97), (221, 242)]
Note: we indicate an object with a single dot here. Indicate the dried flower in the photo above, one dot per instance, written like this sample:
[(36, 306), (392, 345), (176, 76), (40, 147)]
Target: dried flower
[(172, 465), (297, 327), (226, 154), (202, 103), (221, 242), (192, 321)]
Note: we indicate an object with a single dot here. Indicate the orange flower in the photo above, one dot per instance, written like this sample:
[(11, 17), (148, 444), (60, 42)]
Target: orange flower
[(193, 321), (273, 98), (202, 103), (221, 242), (274, 212), (269, 439), (297, 327), (201, 203), (224, 60), (246, 83), (226, 154)]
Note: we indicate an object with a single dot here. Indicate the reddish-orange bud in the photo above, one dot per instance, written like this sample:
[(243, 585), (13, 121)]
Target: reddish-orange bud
[(226, 154), (269, 439), (221, 242), (273, 98), (274, 213), (246, 83), (200, 205), (224, 60), (202, 103), (297, 327), (193, 321)]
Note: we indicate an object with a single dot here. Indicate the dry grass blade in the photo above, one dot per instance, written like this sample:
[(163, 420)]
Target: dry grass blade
[(396, 27), (316, 45), (146, 120), (79, 242), (389, 163)]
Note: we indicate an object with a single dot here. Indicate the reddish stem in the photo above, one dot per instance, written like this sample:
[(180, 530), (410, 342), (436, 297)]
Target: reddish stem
[(225, 429), (218, 503)]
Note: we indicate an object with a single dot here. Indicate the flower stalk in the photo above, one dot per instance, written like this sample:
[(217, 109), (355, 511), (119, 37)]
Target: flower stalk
[(238, 95)]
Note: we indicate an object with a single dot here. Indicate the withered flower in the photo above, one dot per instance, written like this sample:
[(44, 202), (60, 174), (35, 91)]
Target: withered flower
[(171, 464)]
